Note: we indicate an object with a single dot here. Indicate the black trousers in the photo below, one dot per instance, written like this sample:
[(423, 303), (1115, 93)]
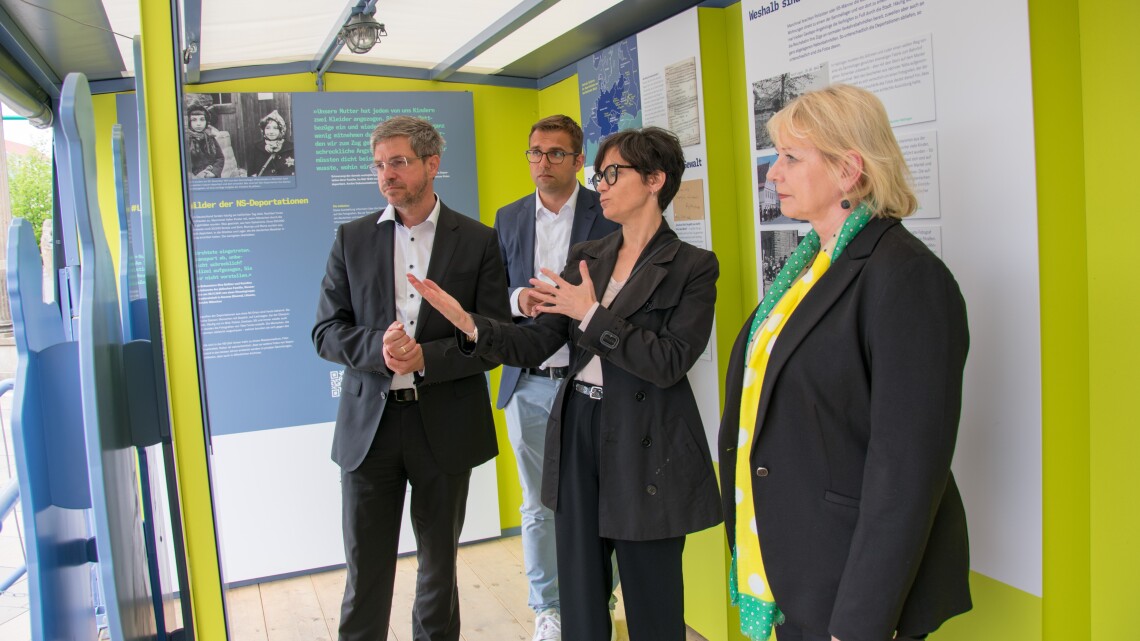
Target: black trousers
[(651, 577), (372, 504), (791, 632)]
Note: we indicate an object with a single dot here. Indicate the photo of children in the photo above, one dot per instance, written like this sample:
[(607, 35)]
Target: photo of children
[(206, 158), (273, 154)]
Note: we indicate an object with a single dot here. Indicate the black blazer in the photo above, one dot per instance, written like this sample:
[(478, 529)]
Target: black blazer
[(357, 305), (860, 521), (656, 476), (514, 225)]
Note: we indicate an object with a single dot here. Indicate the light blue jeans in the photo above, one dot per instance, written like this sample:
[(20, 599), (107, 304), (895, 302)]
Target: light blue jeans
[(527, 413)]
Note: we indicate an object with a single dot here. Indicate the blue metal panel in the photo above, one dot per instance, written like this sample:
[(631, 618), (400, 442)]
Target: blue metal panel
[(362, 69), (46, 425), (72, 36), (17, 44), (112, 86), (510, 22), (111, 457), (192, 28), (558, 76)]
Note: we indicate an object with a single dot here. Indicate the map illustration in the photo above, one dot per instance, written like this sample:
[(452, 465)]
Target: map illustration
[(610, 91)]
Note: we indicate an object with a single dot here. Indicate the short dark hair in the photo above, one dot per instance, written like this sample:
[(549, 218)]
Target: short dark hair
[(649, 149), (562, 123), (421, 135)]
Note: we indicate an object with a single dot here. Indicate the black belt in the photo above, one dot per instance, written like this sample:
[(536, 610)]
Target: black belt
[(549, 372), (593, 391), (407, 395)]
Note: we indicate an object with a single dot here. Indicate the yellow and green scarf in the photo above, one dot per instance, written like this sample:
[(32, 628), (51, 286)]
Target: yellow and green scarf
[(753, 596)]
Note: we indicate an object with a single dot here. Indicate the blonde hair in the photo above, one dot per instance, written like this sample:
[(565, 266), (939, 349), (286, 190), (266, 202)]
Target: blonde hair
[(839, 119)]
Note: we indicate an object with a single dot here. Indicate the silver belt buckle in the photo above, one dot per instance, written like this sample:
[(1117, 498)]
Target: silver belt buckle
[(593, 391)]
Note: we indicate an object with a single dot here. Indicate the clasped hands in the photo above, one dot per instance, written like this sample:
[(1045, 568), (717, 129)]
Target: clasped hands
[(402, 354), (559, 297)]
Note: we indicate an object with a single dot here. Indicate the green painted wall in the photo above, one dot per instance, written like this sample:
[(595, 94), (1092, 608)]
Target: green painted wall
[(1065, 321), (1110, 88)]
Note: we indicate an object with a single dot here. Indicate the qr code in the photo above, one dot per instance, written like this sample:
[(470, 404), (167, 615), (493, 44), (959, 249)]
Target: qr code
[(335, 377)]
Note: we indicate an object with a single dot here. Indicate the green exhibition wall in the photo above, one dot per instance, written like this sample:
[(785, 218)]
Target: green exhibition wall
[(1085, 89), (1110, 90)]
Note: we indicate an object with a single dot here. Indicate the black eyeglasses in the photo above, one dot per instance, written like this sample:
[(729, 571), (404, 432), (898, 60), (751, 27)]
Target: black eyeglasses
[(398, 163), (555, 156), (610, 174)]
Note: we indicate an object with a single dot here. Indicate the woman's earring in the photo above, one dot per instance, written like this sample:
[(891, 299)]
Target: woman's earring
[(846, 204)]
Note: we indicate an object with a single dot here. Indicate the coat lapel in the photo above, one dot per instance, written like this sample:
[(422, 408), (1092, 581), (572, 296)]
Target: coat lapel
[(815, 306), (442, 249), (385, 268), (601, 263), (585, 212), (662, 248), (526, 230)]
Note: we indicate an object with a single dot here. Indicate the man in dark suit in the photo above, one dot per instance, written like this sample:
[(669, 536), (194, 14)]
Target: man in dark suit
[(537, 231), (412, 408)]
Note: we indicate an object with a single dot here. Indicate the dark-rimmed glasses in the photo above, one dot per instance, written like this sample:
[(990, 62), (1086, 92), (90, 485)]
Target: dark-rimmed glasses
[(398, 163), (609, 174), (555, 156)]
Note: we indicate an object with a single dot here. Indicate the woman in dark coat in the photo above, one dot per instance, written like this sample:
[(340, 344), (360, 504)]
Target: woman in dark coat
[(842, 400), (627, 463)]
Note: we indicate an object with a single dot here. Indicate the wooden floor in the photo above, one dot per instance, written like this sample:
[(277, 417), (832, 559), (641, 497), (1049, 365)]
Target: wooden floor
[(492, 597)]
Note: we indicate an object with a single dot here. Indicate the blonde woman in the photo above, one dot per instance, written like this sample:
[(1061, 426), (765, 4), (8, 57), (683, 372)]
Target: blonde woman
[(843, 396)]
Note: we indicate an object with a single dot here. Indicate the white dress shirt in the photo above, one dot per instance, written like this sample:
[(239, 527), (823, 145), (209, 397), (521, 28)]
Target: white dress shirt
[(551, 245), (411, 252)]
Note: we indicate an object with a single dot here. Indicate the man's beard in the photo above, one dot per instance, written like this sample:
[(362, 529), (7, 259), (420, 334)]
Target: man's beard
[(410, 197)]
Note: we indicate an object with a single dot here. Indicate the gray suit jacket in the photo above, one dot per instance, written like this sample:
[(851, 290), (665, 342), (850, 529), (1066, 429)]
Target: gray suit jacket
[(514, 225), (356, 306)]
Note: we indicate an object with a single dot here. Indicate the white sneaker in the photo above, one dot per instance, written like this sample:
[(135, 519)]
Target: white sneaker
[(548, 626)]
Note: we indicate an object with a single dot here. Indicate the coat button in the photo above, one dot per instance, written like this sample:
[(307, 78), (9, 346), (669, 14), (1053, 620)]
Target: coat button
[(761, 472), (383, 395), (640, 396), (646, 442), (651, 490)]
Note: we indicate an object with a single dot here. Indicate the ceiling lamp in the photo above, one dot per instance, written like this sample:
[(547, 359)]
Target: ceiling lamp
[(361, 32)]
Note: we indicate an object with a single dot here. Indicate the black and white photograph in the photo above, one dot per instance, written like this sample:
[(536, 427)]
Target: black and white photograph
[(239, 135), (772, 94), (268, 127), (204, 140), (775, 247)]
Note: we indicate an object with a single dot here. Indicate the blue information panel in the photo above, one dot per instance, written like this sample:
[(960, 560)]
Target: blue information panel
[(272, 175)]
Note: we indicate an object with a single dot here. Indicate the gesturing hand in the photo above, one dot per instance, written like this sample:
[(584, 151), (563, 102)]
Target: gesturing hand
[(562, 297), (443, 303)]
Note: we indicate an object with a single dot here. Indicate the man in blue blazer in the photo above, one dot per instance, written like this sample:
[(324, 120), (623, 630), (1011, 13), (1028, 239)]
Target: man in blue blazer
[(537, 231)]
